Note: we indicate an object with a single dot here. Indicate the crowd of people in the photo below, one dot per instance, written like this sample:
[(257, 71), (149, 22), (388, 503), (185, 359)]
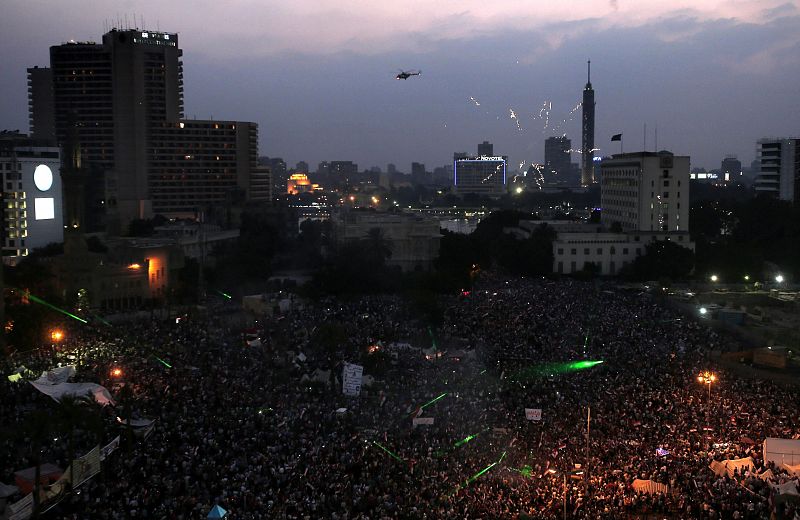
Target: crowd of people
[(257, 430)]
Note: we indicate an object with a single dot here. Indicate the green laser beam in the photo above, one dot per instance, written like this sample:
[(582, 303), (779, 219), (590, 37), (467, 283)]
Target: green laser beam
[(104, 322), (477, 475), (466, 440), (228, 296), (432, 401), (387, 450), (53, 307), (162, 361), (551, 369)]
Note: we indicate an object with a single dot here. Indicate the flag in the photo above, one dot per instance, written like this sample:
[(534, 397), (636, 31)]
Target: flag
[(616, 137), (661, 452)]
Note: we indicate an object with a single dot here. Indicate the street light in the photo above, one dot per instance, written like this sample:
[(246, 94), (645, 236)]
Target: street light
[(564, 474), (707, 378), (779, 278), (714, 278)]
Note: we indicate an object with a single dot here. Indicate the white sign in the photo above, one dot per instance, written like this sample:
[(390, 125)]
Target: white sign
[(533, 414), (351, 379), (427, 421)]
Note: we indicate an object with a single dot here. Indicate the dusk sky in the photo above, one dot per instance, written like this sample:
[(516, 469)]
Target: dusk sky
[(318, 75)]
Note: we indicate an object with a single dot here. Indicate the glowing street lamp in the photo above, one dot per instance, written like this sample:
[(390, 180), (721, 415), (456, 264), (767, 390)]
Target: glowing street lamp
[(707, 378), (714, 278), (779, 278), (564, 474)]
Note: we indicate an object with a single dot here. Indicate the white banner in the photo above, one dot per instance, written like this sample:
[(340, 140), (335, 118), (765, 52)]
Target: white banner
[(417, 421), (84, 468), (351, 379), (21, 510), (97, 392), (109, 448), (533, 414), (57, 375)]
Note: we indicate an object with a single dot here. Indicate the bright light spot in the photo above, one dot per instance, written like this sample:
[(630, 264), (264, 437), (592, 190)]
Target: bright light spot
[(519, 189), (703, 311), (779, 278), (746, 278), (116, 372), (56, 335), (714, 278), (135, 266)]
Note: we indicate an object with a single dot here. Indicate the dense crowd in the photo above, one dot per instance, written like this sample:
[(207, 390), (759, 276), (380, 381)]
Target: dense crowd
[(265, 431)]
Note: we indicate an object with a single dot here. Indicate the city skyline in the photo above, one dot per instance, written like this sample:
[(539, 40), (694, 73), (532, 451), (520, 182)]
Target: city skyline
[(326, 91)]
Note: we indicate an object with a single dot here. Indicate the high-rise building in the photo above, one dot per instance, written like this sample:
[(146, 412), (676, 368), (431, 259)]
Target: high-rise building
[(731, 169), (587, 131), (480, 175), (486, 149), (40, 94), (418, 173), (556, 158), (779, 168), (278, 168), (391, 169), (140, 152), (343, 170), (645, 191), (302, 167), (32, 195)]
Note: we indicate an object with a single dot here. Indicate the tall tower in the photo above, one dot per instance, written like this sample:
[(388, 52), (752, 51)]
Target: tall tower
[(587, 145)]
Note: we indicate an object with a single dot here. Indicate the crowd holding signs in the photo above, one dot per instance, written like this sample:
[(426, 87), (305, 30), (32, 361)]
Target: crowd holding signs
[(245, 434)]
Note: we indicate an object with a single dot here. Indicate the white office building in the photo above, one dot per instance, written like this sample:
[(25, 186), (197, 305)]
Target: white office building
[(779, 173), (646, 191), (644, 199), (33, 213)]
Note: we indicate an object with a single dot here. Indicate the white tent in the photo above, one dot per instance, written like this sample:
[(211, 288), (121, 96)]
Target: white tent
[(97, 392)]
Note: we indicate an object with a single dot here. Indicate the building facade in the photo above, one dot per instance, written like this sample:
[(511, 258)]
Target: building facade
[(33, 214), (413, 239), (645, 191), (127, 96), (557, 163), (779, 170)]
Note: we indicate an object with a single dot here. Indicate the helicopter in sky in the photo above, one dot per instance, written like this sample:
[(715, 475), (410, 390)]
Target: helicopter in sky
[(405, 74)]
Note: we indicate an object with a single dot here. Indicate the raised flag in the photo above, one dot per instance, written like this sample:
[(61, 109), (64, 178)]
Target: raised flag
[(616, 137)]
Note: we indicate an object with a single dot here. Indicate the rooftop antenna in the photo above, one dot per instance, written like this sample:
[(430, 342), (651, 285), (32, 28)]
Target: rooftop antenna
[(589, 71), (656, 137)]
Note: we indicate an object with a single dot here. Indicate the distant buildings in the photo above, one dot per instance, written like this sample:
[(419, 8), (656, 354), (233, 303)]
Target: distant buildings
[(646, 191), (731, 169), (299, 183), (644, 198), (557, 164), (779, 170), (486, 149), (32, 195), (587, 131), (480, 174), (413, 239), (142, 155)]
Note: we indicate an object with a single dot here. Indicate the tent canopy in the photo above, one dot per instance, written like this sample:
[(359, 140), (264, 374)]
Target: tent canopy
[(217, 512)]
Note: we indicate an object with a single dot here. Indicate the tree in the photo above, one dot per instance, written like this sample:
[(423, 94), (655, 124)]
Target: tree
[(37, 430), (73, 412), (663, 259)]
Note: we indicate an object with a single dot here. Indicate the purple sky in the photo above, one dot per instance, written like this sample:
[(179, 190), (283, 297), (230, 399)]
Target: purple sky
[(318, 75)]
